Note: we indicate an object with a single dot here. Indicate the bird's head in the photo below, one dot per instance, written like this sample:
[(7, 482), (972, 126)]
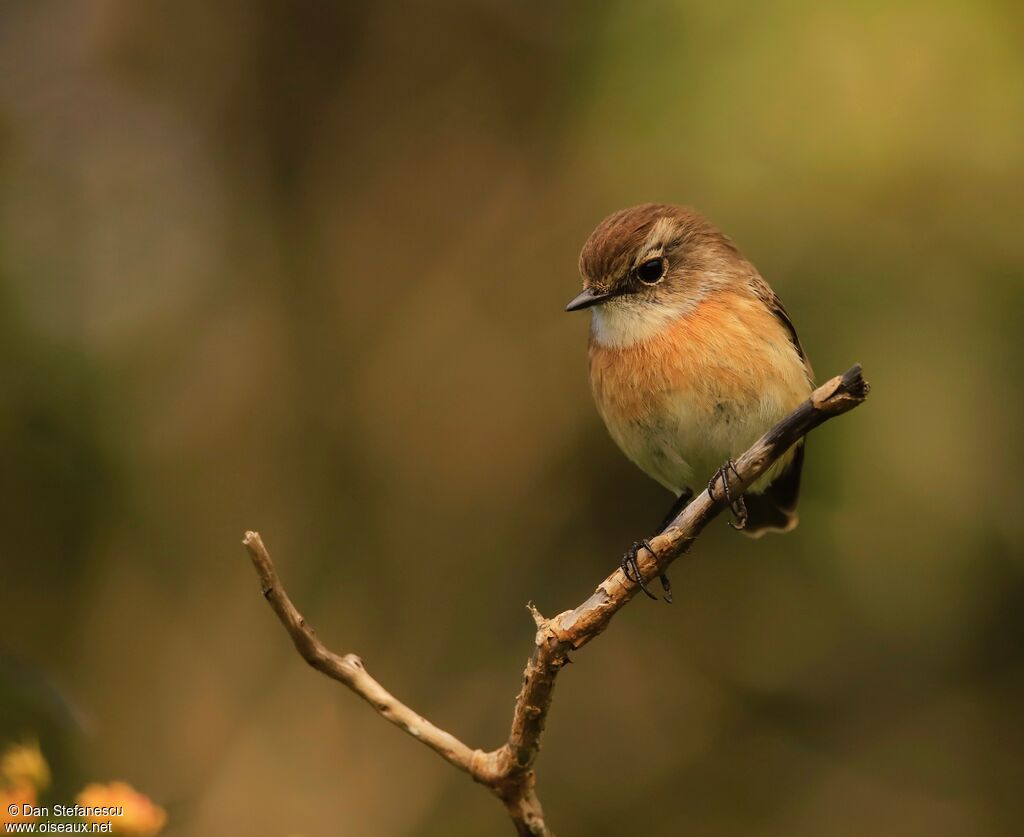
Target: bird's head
[(648, 264)]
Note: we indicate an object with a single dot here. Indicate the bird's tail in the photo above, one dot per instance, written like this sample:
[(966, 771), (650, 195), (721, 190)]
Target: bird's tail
[(774, 510)]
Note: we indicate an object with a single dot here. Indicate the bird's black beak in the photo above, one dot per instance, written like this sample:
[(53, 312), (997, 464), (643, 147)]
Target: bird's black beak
[(588, 298)]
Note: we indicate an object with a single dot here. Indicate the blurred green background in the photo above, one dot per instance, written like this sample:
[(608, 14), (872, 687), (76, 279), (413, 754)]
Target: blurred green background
[(300, 267)]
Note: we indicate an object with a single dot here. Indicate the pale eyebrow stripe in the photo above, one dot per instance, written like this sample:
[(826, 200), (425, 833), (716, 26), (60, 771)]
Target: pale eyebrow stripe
[(656, 238)]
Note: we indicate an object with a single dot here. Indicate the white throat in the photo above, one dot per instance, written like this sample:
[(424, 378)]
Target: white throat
[(622, 323)]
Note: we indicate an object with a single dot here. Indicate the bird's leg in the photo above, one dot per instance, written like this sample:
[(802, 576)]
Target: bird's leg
[(680, 503), (738, 506)]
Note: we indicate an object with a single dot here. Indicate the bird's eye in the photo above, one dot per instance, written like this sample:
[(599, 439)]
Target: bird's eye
[(651, 271)]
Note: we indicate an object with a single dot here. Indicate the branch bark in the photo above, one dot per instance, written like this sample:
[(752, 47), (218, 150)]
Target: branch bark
[(508, 771)]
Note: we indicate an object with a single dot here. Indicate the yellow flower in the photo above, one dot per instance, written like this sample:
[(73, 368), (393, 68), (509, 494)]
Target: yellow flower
[(11, 801), (140, 817), (23, 764)]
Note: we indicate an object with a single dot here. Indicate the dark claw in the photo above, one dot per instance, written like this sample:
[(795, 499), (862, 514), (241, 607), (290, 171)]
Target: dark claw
[(629, 564), (738, 506), (711, 485), (631, 567), (627, 567), (666, 585)]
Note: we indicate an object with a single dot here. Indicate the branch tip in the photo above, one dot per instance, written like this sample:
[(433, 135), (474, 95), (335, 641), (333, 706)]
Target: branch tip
[(854, 383), (538, 617)]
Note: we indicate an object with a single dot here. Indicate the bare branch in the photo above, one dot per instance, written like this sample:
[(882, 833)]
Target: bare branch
[(350, 669), (508, 771)]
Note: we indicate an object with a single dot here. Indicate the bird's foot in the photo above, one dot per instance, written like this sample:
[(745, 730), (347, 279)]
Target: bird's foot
[(737, 505), (631, 569), (677, 507)]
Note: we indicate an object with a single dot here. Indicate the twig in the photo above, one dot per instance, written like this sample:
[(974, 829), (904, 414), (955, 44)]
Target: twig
[(508, 771)]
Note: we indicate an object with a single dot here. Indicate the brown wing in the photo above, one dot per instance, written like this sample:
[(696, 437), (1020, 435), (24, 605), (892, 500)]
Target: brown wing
[(765, 293), (774, 510)]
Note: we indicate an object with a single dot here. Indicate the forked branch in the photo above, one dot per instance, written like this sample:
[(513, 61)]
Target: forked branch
[(508, 771)]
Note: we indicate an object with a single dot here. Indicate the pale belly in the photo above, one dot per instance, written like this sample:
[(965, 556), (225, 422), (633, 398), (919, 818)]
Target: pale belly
[(684, 441)]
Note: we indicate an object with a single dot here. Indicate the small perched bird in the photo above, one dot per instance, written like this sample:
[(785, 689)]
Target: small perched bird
[(692, 359)]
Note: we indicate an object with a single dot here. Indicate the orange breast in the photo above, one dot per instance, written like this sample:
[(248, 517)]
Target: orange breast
[(729, 347), (704, 387)]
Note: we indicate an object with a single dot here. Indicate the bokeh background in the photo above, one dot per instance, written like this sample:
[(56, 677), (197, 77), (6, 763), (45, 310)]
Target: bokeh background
[(300, 267)]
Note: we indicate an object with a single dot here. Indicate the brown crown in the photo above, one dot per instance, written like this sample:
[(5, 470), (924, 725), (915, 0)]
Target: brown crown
[(611, 247)]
